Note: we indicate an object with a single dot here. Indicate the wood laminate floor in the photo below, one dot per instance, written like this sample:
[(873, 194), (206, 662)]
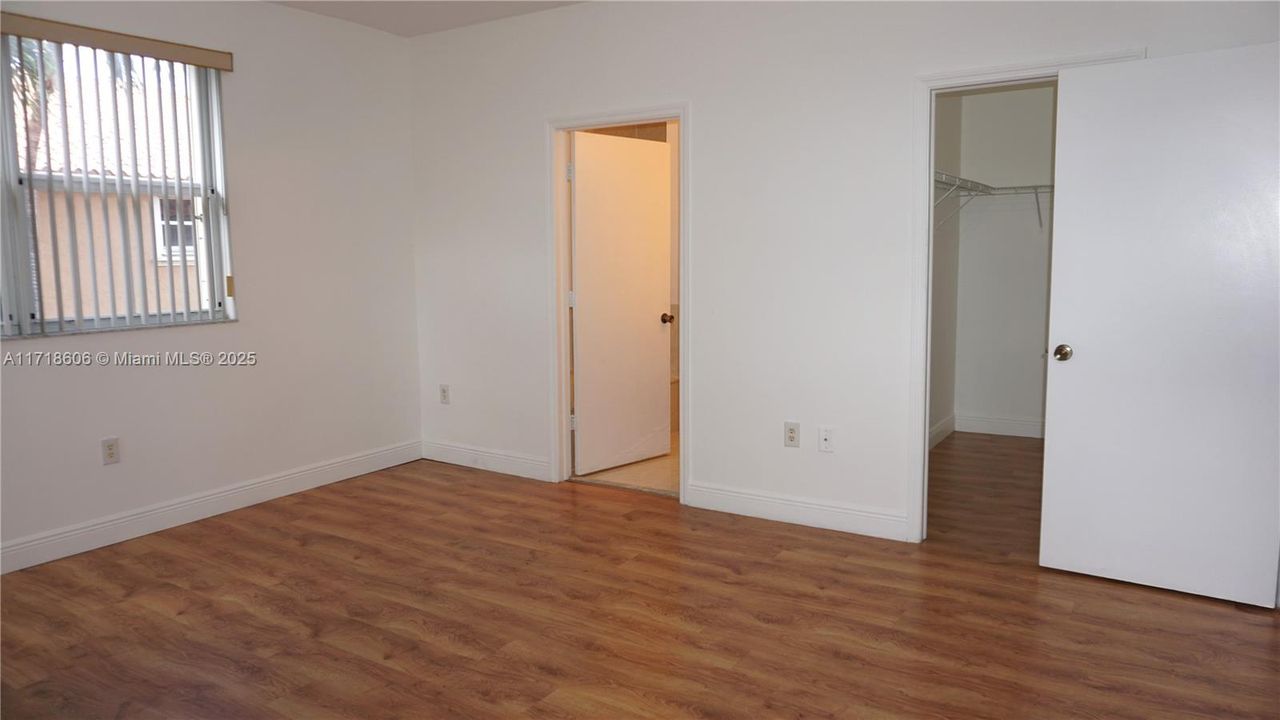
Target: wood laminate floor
[(434, 591)]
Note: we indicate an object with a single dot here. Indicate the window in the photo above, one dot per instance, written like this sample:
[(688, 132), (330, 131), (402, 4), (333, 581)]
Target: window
[(174, 231), (113, 189)]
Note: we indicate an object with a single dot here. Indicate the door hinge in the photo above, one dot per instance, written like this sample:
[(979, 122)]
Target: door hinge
[(568, 173), (573, 299), (573, 422)]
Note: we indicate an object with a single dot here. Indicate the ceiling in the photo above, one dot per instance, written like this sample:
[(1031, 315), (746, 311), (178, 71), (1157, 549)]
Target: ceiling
[(409, 19)]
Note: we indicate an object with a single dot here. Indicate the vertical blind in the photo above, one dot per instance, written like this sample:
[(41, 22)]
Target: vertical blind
[(114, 192)]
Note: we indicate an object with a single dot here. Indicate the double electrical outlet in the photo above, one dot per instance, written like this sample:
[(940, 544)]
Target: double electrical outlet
[(791, 436), (110, 450)]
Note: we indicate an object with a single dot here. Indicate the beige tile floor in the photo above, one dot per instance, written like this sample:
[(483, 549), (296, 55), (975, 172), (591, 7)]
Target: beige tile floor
[(657, 475)]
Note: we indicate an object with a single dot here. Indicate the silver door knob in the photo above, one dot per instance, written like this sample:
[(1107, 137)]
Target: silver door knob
[(1063, 353), (667, 318)]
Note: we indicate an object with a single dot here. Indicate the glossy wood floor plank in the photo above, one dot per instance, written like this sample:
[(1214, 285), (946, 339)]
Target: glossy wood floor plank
[(434, 591)]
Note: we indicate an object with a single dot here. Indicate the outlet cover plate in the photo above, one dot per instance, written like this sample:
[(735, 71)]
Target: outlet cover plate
[(791, 434)]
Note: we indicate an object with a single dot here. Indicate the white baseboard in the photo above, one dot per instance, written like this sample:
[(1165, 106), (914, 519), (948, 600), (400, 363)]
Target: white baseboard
[(941, 430), (1019, 427), (801, 511), (53, 544), (485, 459)]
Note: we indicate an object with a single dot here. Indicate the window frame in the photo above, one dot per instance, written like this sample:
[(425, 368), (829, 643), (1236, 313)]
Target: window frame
[(159, 224)]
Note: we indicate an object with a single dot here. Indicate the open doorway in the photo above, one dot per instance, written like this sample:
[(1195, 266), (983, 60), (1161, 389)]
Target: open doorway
[(993, 154), (619, 213), (1134, 442)]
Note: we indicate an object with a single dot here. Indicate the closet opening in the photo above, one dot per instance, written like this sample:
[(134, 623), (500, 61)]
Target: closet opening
[(992, 167), (618, 215)]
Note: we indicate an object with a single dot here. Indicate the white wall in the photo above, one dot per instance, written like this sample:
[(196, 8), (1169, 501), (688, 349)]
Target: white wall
[(800, 251), (1008, 135), (800, 206), (947, 143), (316, 130), (1003, 291)]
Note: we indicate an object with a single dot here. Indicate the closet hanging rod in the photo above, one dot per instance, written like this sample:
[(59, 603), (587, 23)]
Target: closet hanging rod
[(1018, 190), (965, 186), (970, 189), (957, 182)]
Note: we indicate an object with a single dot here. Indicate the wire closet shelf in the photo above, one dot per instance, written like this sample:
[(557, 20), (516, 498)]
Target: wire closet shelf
[(969, 189)]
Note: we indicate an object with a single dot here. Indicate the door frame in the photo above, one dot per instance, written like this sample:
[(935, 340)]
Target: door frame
[(559, 243), (927, 86)]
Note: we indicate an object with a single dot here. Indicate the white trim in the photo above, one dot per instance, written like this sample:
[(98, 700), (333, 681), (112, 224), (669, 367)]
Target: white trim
[(1022, 72), (941, 430), (559, 464), (1018, 427), (51, 545), (859, 519), (925, 86), (526, 466)]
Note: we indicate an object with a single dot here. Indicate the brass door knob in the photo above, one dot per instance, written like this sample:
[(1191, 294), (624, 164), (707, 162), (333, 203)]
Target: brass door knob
[(1063, 353), (667, 318)]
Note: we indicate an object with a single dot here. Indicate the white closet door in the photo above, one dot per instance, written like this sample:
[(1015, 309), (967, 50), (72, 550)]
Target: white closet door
[(1162, 431), (621, 283)]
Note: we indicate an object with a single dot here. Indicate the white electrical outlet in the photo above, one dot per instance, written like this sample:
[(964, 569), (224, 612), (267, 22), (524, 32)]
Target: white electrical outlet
[(825, 442), (444, 394), (110, 450), (791, 434)]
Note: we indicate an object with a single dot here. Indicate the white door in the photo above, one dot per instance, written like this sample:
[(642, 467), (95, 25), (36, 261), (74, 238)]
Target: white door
[(1162, 430), (621, 284)]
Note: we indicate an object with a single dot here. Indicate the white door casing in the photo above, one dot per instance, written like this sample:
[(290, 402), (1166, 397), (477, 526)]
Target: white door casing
[(621, 269), (1162, 432)]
